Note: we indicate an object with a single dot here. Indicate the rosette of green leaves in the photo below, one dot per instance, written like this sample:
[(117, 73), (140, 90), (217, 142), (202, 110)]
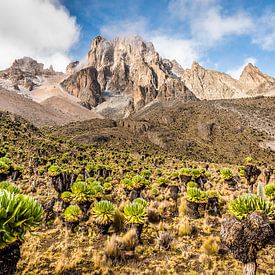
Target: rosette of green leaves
[(226, 173), (248, 203), (194, 194), (5, 164), (269, 190), (72, 213), (103, 212), (135, 212), (54, 170), (18, 215)]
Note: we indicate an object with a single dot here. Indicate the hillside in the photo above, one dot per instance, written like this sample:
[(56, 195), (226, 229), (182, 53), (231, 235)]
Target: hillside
[(172, 239)]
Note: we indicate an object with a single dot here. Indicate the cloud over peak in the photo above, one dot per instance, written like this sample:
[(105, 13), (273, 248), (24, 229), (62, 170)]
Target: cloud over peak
[(40, 29)]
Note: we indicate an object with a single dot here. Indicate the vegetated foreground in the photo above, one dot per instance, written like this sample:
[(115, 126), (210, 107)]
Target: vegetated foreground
[(133, 209)]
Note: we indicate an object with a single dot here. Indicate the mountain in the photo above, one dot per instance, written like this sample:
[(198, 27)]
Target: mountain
[(127, 73), (209, 84), (129, 68), (24, 74), (29, 90), (122, 76), (254, 82)]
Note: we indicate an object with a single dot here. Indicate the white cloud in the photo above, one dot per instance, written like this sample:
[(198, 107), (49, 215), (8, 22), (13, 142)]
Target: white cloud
[(236, 72), (208, 25), (125, 27), (183, 51), (168, 46), (41, 29), (264, 33)]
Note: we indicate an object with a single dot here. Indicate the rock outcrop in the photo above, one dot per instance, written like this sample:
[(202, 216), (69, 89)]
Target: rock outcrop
[(71, 68), (254, 82), (209, 84), (131, 66), (84, 85), (25, 73)]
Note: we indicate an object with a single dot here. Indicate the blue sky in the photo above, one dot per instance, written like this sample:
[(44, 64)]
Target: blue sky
[(239, 39), (221, 35)]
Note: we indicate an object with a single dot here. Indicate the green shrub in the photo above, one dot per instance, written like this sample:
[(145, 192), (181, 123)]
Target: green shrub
[(5, 164), (54, 170), (72, 213), (248, 203), (186, 172), (226, 173), (18, 215), (136, 182), (163, 181), (196, 173), (196, 195), (269, 190), (67, 196), (9, 187), (135, 213), (104, 212), (141, 201), (191, 184)]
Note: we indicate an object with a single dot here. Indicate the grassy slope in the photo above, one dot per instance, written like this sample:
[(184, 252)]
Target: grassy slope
[(54, 250)]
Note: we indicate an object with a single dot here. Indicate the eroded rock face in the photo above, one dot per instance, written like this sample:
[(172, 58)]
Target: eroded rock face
[(25, 73), (254, 82), (209, 84), (131, 66), (71, 68), (84, 85)]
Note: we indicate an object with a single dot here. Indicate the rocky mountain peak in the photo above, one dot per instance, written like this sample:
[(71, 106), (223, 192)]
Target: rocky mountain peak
[(196, 66), (254, 82), (28, 65), (130, 71), (130, 67), (24, 73)]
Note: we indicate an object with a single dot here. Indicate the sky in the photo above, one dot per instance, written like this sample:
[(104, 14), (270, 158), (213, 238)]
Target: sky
[(221, 35)]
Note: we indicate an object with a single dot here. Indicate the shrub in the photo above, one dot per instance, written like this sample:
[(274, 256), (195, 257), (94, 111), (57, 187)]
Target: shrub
[(94, 189), (104, 212), (210, 246), (67, 196), (196, 195), (184, 228), (18, 214), (54, 170), (135, 213), (196, 173), (141, 201), (9, 187), (185, 171), (269, 190), (72, 213), (5, 165), (248, 203), (191, 184), (226, 173), (163, 181)]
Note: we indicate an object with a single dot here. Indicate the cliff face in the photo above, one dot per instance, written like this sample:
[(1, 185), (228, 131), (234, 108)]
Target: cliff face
[(84, 85), (131, 66), (24, 73), (254, 82), (209, 84), (127, 74)]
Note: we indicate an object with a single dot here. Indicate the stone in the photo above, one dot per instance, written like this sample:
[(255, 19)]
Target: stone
[(84, 85)]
